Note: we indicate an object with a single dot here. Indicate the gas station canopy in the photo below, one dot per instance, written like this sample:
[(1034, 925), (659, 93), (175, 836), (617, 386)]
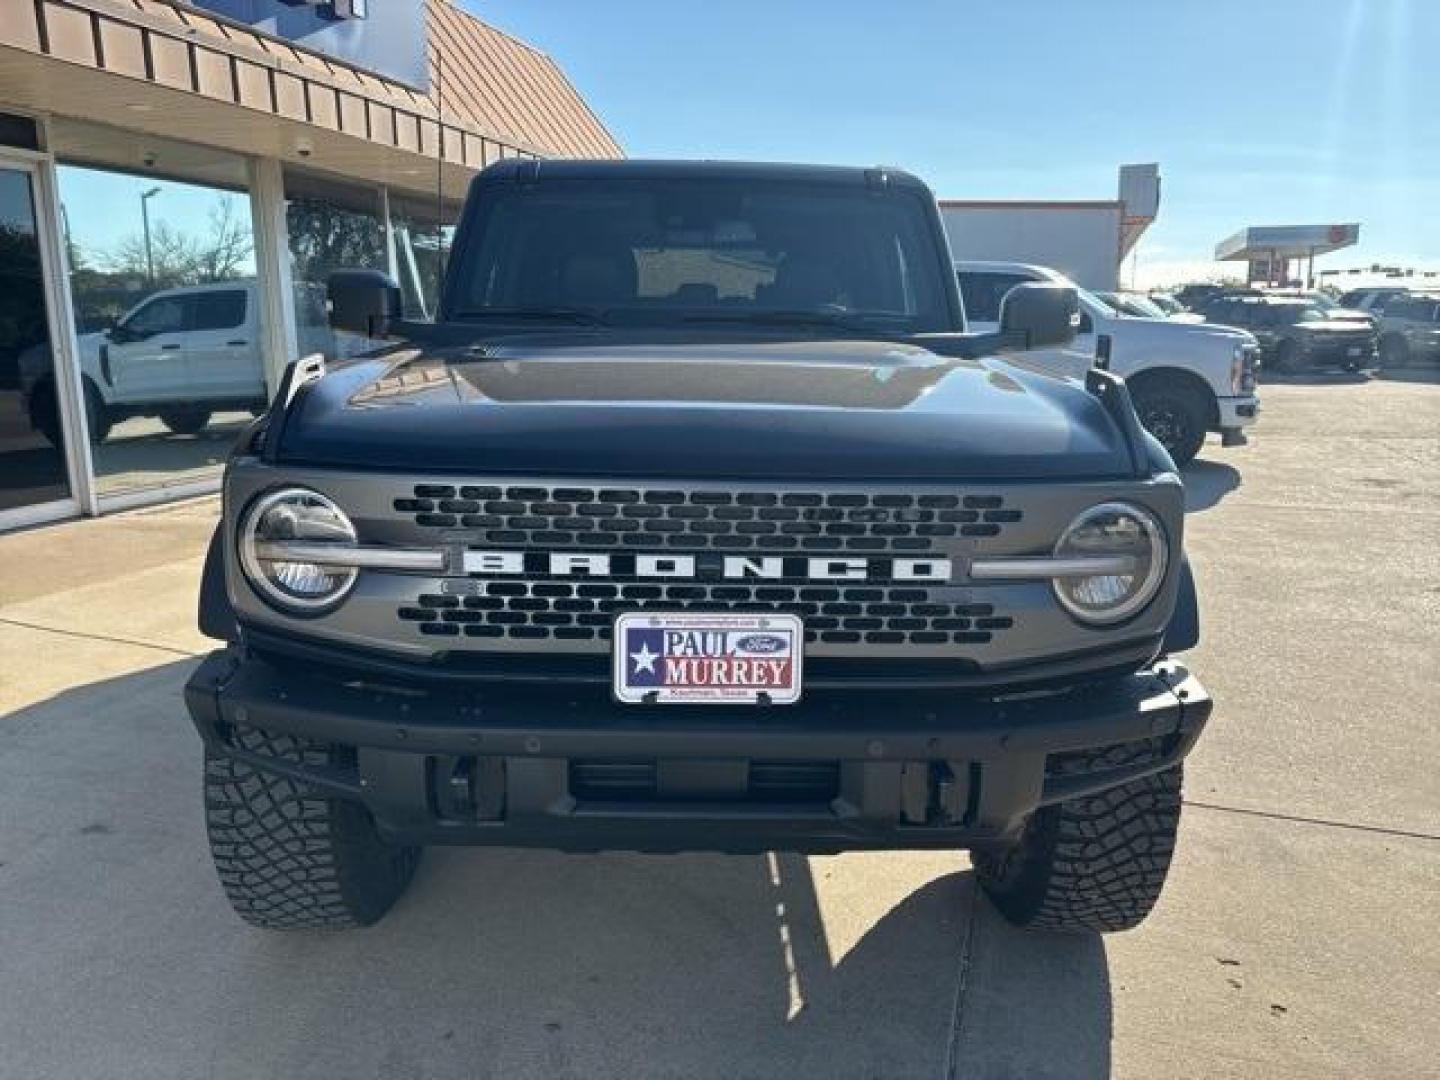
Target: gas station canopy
[(1268, 249), (1287, 241)]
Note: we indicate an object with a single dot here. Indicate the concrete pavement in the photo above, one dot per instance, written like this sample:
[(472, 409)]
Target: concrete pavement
[(1299, 934)]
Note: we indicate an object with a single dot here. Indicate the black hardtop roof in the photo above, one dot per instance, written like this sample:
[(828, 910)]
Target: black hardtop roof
[(526, 170)]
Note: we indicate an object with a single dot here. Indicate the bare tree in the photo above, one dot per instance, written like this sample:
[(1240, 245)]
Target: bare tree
[(223, 253), (180, 258)]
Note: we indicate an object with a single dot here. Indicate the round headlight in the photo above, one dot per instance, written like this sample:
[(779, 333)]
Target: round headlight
[(295, 516), (1112, 530)]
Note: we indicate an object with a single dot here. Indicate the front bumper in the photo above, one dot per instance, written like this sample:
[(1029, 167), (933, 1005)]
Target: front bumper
[(552, 768), (1341, 354), (1237, 413)]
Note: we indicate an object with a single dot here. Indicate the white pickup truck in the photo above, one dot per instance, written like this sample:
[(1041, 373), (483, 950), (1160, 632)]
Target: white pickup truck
[(180, 355), (1186, 379)]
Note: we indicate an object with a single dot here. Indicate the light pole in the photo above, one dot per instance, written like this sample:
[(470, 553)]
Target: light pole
[(145, 198)]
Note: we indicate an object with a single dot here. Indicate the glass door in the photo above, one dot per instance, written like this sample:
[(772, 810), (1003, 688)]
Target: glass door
[(35, 470)]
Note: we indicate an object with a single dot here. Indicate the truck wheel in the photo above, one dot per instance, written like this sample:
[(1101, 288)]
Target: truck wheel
[(289, 859), (185, 421), (45, 413), (97, 415), (1175, 415), (1394, 351), (1287, 358), (1094, 863)]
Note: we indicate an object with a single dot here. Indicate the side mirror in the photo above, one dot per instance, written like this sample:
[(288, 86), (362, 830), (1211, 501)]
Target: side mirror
[(363, 302), (1040, 315)]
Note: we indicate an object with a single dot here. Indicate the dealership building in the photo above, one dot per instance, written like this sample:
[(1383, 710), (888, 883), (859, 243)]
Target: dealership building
[(177, 181)]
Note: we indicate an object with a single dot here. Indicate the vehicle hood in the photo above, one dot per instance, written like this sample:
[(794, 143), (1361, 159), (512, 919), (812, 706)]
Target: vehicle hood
[(585, 404), (1332, 325), (1188, 333)]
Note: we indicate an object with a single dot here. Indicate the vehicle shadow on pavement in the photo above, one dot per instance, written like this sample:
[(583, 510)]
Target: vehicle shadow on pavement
[(1206, 483), (497, 962), (1319, 377), (1430, 374)]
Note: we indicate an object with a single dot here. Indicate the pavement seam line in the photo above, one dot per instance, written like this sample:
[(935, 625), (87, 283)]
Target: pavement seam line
[(1301, 820), (962, 982), (98, 637)]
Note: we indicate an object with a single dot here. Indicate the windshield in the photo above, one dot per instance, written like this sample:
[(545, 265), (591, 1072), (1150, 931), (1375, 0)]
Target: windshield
[(1143, 307), (642, 250), (1290, 314)]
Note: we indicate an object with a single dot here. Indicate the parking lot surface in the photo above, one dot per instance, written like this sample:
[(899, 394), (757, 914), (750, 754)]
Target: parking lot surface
[(1299, 934)]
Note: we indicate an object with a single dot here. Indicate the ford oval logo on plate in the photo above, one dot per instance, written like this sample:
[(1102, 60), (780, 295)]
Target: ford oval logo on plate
[(764, 644)]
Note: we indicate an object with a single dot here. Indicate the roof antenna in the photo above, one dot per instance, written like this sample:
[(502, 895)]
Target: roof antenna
[(439, 170)]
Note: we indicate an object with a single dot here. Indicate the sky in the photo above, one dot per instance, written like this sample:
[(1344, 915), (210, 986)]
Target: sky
[(1259, 112), (102, 210)]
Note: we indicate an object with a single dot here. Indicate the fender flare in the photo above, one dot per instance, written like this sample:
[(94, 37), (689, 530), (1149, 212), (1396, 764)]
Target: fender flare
[(217, 617), (1183, 630)]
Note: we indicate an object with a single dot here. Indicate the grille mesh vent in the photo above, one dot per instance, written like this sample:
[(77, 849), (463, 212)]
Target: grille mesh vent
[(584, 611), (559, 518)]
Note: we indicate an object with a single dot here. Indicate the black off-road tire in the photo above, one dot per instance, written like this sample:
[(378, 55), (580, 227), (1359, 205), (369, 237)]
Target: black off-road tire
[(1175, 414), (1091, 864), (185, 421), (290, 859)]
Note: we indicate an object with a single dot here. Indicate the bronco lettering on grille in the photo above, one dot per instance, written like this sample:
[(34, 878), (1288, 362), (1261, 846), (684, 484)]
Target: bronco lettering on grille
[(703, 567)]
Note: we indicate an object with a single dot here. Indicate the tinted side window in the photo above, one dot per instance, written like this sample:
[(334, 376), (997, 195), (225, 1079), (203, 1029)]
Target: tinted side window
[(163, 316), (983, 291), (218, 310)]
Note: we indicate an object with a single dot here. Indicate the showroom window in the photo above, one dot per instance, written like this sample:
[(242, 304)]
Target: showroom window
[(424, 232), (33, 468), (162, 278), (331, 225)]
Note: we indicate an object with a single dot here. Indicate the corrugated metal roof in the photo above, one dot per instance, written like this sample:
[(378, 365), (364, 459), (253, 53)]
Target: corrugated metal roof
[(500, 84), (499, 97)]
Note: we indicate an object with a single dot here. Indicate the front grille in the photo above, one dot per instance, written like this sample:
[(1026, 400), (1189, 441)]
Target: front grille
[(584, 610), (596, 519)]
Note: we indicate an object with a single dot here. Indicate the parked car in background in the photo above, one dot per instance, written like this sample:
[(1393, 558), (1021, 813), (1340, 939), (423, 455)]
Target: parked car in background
[(1332, 308), (1296, 334), (1140, 306), (1410, 329), (1372, 300), (1186, 379), (1193, 296)]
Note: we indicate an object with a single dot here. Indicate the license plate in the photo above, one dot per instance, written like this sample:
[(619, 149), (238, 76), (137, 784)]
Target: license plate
[(1354, 350), (664, 658)]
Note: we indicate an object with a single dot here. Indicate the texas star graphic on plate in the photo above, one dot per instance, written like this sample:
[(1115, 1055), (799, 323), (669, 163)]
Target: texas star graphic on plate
[(719, 659)]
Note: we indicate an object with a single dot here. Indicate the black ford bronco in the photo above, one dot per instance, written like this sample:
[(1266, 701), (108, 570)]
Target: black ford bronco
[(697, 521)]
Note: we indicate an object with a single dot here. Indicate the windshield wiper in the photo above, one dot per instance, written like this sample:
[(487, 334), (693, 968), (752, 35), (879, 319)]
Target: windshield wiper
[(581, 316)]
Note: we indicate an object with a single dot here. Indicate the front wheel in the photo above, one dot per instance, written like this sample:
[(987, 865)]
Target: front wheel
[(1394, 351), (45, 414), (1096, 863), (185, 421), (1175, 416), (290, 859)]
